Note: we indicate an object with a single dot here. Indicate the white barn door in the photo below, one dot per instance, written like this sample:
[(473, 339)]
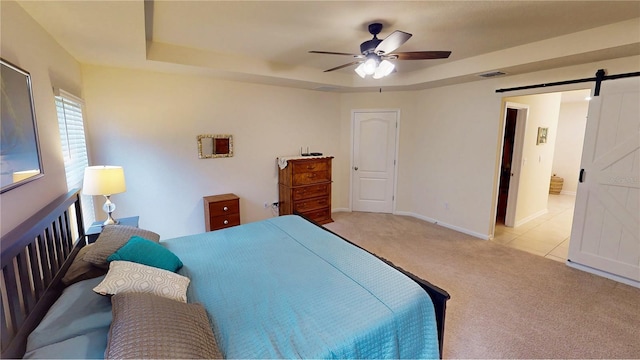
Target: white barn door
[(606, 233), (373, 163)]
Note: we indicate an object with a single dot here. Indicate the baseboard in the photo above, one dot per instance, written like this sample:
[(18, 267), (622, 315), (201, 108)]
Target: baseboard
[(340, 210), (565, 192), (531, 217), (448, 226), (605, 274)]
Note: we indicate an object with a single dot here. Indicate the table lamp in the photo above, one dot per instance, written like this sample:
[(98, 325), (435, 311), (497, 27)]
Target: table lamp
[(106, 181)]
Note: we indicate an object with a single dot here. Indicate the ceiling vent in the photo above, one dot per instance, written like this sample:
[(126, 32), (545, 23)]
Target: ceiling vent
[(492, 74)]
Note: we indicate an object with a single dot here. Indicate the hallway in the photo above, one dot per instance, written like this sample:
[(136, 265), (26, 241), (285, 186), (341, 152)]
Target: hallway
[(547, 235)]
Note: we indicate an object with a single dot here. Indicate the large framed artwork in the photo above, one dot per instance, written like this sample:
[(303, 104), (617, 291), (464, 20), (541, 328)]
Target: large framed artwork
[(20, 160)]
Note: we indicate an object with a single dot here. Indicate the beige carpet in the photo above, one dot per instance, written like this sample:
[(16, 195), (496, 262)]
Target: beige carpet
[(505, 303)]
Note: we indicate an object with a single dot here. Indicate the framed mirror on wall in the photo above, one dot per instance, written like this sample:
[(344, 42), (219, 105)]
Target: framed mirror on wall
[(215, 146), (20, 160)]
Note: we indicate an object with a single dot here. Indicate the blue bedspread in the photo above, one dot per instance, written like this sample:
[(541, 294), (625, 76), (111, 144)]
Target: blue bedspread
[(75, 327), (284, 288)]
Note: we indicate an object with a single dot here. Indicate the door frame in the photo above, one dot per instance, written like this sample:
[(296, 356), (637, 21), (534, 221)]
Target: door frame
[(516, 163), (395, 158)]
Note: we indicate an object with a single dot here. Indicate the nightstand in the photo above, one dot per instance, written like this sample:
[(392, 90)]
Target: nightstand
[(95, 229), (221, 211)]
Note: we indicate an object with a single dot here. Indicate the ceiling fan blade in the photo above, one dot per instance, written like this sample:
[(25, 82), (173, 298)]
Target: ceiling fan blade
[(343, 66), (392, 42), (421, 55), (335, 53)]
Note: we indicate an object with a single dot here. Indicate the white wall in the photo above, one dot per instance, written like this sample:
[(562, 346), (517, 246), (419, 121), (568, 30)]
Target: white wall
[(25, 44), (571, 127), (450, 144), (148, 122)]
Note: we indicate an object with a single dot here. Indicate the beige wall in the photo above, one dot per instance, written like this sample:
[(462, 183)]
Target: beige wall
[(27, 45), (448, 152), (571, 128), (148, 122)]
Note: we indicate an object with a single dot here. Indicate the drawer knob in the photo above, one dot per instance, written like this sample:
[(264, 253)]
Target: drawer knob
[(225, 208), (226, 222)]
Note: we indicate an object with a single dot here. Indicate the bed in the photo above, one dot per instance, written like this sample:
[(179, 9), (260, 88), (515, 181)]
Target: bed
[(305, 292)]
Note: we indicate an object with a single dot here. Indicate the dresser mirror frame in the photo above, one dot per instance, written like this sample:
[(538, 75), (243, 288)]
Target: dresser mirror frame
[(212, 146)]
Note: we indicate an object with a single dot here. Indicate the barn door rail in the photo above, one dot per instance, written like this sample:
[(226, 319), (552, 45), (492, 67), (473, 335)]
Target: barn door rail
[(599, 78)]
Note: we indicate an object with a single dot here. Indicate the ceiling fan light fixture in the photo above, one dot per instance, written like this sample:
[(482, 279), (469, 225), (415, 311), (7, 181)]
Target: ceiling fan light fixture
[(370, 66), (360, 71), (385, 68)]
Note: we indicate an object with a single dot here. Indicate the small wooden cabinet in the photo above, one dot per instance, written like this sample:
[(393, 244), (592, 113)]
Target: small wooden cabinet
[(305, 188), (221, 211)]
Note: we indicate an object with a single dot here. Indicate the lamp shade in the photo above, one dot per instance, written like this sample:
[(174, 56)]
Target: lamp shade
[(103, 180)]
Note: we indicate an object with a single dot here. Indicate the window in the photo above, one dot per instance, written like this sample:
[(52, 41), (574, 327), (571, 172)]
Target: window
[(74, 147)]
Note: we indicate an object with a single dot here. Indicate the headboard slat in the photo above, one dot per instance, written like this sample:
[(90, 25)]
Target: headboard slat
[(36, 273), (24, 280), (51, 250), (6, 329), (65, 235), (13, 296), (42, 259), (58, 242)]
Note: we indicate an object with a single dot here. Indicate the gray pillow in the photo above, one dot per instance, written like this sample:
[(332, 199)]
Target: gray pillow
[(81, 269), (147, 326), (112, 238)]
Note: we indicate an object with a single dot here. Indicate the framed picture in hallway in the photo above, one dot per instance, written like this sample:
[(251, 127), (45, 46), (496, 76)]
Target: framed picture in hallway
[(542, 135)]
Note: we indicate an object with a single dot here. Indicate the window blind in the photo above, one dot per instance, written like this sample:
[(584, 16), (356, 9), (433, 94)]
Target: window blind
[(74, 147)]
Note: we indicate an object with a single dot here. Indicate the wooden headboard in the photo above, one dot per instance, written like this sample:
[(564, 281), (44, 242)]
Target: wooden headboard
[(34, 258)]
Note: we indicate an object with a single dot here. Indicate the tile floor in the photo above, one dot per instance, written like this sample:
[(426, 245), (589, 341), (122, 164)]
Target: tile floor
[(547, 235)]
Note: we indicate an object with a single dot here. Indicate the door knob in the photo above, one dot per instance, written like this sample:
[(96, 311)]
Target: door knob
[(355, 168)]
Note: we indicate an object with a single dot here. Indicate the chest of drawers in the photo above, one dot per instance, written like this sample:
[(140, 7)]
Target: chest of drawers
[(305, 188), (221, 211)]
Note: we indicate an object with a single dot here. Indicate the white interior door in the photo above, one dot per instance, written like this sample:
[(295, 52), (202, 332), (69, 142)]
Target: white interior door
[(373, 164), (606, 233), (516, 162)]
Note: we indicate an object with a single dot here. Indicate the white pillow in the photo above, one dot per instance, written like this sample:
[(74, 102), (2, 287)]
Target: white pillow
[(130, 277)]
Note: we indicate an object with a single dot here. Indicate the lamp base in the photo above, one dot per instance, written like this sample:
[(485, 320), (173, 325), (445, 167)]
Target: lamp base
[(110, 221), (109, 207)]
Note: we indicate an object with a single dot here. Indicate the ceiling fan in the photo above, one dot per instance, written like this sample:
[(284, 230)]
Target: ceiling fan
[(376, 53)]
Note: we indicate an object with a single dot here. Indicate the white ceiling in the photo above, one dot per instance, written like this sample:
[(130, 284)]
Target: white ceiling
[(268, 41)]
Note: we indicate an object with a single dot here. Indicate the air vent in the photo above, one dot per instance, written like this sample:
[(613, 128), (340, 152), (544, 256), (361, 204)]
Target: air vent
[(492, 74)]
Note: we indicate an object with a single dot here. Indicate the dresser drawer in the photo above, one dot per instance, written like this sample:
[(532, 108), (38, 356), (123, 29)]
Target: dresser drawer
[(321, 216), (224, 221), (311, 204), (311, 177), (224, 207), (311, 191), (309, 166)]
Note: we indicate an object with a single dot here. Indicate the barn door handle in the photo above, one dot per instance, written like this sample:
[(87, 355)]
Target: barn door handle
[(581, 177)]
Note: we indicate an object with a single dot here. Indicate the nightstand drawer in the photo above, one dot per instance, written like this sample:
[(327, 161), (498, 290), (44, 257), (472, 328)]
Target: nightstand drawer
[(310, 166), (224, 221), (224, 207)]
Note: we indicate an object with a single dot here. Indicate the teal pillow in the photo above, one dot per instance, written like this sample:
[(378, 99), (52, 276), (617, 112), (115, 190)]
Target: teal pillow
[(147, 252)]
